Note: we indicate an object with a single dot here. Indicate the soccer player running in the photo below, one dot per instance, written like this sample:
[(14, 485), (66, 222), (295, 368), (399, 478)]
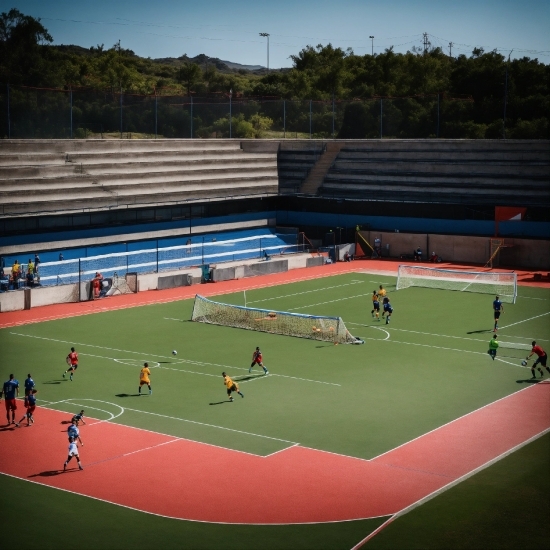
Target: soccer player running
[(79, 417), (74, 433), (493, 346), (387, 309), (257, 360), (381, 292), (375, 305), (144, 374), (231, 386), (498, 308), (11, 391), (72, 361), (73, 452), (30, 404), (541, 359)]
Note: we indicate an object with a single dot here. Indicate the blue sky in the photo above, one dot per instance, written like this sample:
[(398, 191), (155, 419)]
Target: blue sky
[(229, 29)]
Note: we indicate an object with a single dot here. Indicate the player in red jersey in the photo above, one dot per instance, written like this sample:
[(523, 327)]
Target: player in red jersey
[(72, 361), (30, 404), (541, 359), (257, 360)]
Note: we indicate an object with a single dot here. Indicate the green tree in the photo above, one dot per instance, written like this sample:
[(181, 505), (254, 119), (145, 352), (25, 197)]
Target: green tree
[(188, 74)]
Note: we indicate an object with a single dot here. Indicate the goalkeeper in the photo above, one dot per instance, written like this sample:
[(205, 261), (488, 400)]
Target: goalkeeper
[(231, 386), (493, 346)]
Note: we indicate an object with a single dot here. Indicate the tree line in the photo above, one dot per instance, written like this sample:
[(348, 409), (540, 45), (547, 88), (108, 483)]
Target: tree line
[(415, 94)]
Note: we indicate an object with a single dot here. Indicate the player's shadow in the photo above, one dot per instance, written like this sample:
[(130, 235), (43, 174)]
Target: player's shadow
[(529, 381), (480, 331), (220, 402), (66, 422), (48, 473), (250, 377), (54, 381), (10, 428), (129, 394)]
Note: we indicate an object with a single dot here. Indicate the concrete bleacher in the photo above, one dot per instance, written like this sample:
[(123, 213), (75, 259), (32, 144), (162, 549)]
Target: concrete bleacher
[(454, 171), (41, 176), (295, 161)]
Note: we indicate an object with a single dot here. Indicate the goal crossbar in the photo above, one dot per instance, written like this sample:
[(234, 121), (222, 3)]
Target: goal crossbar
[(328, 329), (484, 282)]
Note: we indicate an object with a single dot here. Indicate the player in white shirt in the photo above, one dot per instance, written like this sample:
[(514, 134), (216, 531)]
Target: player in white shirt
[(73, 451)]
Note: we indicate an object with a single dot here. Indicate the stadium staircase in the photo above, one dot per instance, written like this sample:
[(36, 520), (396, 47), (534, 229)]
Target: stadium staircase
[(317, 174), (41, 176)]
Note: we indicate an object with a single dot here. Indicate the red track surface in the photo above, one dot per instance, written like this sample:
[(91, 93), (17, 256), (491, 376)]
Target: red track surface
[(60, 311), (190, 480)]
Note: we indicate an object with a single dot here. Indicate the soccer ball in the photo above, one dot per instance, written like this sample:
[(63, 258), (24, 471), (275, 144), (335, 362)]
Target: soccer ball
[(174, 352), (523, 363)]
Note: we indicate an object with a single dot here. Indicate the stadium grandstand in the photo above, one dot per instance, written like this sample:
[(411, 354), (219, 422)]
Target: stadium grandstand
[(137, 207)]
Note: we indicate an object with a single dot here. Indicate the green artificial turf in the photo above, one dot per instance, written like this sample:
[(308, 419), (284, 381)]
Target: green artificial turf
[(426, 368), (506, 506)]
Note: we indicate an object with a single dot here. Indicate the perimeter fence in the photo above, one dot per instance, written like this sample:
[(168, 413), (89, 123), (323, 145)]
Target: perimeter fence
[(148, 257), (38, 113)]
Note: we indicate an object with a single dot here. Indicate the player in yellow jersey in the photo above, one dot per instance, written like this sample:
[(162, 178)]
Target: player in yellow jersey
[(231, 386), (381, 293), (375, 305), (144, 378)]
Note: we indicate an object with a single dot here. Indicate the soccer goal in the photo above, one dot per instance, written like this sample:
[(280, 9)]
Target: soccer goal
[(328, 329), (501, 284)]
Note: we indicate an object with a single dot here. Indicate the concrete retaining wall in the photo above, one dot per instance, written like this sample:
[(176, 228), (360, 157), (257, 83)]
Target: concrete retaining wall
[(173, 281), (523, 254)]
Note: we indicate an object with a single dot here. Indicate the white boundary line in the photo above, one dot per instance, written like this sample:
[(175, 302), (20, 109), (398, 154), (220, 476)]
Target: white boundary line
[(176, 361), (525, 320), (174, 436), (450, 485), (176, 518), (453, 421)]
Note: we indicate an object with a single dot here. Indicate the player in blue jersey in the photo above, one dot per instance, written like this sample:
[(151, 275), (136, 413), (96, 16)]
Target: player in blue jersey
[(73, 452), (79, 417), (11, 391), (375, 305), (498, 308), (73, 432), (387, 309), (29, 385)]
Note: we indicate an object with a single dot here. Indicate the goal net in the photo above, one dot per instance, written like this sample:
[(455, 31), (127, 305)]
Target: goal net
[(328, 329), (502, 284)]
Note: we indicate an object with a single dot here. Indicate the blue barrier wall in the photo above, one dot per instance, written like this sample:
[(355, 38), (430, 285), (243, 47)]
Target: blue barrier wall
[(195, 224), (416, 225)]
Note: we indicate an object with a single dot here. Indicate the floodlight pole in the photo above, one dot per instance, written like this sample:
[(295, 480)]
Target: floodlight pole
[(230, 96), (266, 34), (371, 45)]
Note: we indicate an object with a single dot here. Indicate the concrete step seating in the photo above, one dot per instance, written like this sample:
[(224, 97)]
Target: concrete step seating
[(490, 172), (59, 175)]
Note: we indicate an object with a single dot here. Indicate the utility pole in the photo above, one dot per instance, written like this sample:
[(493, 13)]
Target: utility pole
[(371, 45), (505, 97), (451, 49), (426, 42), (266, 34)]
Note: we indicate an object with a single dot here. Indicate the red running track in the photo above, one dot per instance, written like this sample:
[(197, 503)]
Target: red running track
[(60, 311), (184, 479)]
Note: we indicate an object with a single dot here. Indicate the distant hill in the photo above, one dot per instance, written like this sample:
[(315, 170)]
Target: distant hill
[(203, 60)]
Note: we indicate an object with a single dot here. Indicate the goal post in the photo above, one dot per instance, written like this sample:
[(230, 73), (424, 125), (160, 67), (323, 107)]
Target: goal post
[(327, 329), (503, 285)]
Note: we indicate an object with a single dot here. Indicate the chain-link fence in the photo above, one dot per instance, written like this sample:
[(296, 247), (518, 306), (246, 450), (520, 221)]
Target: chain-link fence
[(86, 113)]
